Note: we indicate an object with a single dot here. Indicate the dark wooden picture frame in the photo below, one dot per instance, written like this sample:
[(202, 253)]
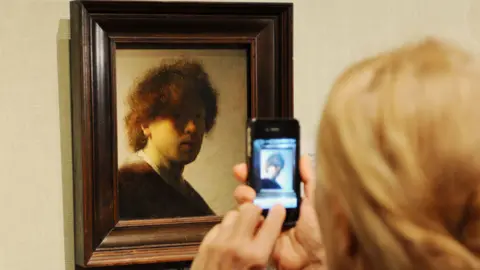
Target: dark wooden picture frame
[(265, 30)]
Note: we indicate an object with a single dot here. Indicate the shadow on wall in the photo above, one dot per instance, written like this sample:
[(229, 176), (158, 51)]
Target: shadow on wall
[(63, 68)]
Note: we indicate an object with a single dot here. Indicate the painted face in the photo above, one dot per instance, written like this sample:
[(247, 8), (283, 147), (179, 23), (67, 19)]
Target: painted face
[(177, 135), (272, 172)]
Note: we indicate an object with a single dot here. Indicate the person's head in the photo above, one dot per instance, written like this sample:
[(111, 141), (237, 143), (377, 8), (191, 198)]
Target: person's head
[(274, 165), (171, 108), (399, 162)]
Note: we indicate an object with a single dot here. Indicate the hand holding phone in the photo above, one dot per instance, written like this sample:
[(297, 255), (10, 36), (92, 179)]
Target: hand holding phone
[(272, 159)]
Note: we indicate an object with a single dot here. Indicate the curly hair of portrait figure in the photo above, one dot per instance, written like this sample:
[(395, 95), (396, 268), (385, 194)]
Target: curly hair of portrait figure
[(170, 110)]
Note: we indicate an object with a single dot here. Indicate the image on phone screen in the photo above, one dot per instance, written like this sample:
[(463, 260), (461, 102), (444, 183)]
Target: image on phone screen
[(274, 164)]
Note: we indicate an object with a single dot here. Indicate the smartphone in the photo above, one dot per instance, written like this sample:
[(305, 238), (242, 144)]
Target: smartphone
[(273, 147)]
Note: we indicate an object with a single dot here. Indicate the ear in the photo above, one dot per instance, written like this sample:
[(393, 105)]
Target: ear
[(146, 130)]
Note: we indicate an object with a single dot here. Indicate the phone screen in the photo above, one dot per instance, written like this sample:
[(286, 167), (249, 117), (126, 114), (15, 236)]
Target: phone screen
[(274, 166)]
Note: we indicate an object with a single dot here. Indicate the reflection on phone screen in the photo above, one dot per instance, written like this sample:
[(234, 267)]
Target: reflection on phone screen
[(274, 170)]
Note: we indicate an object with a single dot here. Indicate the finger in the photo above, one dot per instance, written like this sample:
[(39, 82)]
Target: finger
[(244, 194), (240, 171), (271, 228), (308, 222), (259, 225), (209, 237), (249, 217), (205, 259), (282, 247), (286, 253), (307, 208), (220, 242), (308, 177), (229, 219), (279, 248), (226, 226)]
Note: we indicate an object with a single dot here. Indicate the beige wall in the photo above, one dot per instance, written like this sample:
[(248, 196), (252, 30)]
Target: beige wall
[(36, 227)]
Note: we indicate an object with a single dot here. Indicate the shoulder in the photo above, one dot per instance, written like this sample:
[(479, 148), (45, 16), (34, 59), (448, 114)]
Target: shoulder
[(267, 183), (135, 168), (134, 164), (135, 173)]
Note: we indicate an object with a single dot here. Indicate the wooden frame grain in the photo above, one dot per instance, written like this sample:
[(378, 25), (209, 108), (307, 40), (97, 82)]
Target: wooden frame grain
[(265, 30)]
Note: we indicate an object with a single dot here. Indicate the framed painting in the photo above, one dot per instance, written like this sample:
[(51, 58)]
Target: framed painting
[(161, 94)]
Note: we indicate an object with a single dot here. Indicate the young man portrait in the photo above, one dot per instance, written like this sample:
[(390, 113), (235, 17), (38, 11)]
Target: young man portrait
[(169, 112)]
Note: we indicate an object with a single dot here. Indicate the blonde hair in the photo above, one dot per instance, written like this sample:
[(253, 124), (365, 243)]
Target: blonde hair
[(399, 155)]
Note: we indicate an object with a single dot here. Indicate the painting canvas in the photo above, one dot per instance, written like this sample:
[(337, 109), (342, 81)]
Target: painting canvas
[(181, 117)]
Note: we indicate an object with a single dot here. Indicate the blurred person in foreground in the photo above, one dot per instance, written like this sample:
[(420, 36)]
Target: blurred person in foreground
[(398, 172)]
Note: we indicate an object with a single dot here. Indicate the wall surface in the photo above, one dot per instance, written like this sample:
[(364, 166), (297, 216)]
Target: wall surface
[(36, 228)]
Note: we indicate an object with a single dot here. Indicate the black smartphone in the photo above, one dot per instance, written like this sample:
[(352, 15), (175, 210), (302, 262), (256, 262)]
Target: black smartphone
[(273, 147)]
